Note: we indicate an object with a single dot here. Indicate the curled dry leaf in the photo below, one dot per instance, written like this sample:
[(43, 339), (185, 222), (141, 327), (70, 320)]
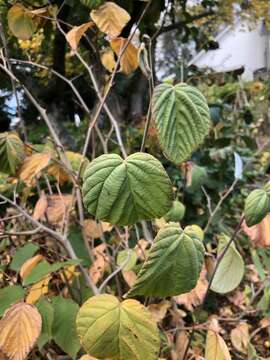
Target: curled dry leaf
[(140, 248), (19, 329), (158, 311), (29, 265), (129, 58), (110, 18), (58, 207), (182, 341), (130, 277), (75, 34), (240, 337), (94, 229), (40, 207), (38, 289), (195, 296), (259, 234), (101, 264), (108, 60), (32, 166)]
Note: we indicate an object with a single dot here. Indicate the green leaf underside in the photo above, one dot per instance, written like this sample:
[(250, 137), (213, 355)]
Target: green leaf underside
[(64, 330), (11, 152), (47, 313), (125, 191), (230, 270), (120, 331), (10, 295), (173, 265), (182, 118), (257, 206), (22, 254)]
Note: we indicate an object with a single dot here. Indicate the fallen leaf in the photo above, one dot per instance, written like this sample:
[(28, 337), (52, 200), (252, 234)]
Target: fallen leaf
[(29, 265), (19, 329), (40, 207), (240, 337), (158, 311), (182, 342), (110, 18), (259, 234), (130, 277), (129, 58), (195, 296), (58, 207), (32, 167), (75, 34), (37, 290), (101, 264), (92, 229), (108, 60), (215, 348)]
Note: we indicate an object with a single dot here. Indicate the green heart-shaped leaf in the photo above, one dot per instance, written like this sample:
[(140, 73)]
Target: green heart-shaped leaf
[(257, 206), (122, 331), (125, 191), (173, 265), (182, 118)]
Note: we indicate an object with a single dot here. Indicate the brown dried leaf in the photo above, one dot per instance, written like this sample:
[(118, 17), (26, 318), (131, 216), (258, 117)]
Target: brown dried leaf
[(58, 207), (92, 229), (140, 248), (32, 166), (130, 277), (240, 337), (38, 289), (158, 311), (40, 207), (259, 233), (29, 265), (110, 18), (75, 34), (101, 264), (195, 296), (129, 58), (215, 348), (107, 59), (181, 345), (19, 329)]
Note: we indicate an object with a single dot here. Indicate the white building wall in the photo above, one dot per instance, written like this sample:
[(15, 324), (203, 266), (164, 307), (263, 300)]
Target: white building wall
[(239, 46)]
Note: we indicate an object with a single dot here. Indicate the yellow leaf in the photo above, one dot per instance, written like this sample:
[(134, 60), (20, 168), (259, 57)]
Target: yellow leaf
[(75, 34), (58, 207), (107, 59), (240, 337), (19, 329), (20, 22), (32, 166), (38, 289), (129, 58), (158, 311), (69, 273), (216, 348), (110, 18), (40, 207), (29, 265), (160, 223)]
